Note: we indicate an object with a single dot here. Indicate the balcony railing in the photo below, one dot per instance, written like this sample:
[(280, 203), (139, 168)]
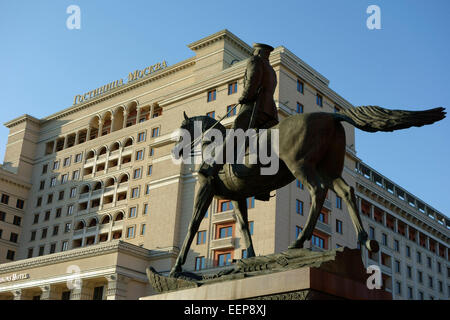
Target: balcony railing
[(223, 243), (223, 216)]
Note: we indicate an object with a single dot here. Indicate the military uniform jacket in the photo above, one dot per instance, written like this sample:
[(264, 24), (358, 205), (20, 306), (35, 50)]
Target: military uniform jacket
[(260, 82)]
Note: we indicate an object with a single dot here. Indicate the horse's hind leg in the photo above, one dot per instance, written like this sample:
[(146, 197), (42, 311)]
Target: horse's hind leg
[(242, 217), (318, 191), (347, 192)]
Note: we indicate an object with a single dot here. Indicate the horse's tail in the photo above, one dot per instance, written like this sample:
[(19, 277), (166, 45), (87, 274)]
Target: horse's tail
[(374, 118)]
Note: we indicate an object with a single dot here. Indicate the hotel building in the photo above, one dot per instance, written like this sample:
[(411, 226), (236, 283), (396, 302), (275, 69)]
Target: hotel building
[(101, 198)]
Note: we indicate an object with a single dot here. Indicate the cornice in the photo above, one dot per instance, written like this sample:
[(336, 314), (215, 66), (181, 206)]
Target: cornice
[(23, 118), (221, 35), (115, 246), (122, 89)]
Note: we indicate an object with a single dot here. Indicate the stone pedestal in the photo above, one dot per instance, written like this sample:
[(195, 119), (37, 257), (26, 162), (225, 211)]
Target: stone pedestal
[(294, 275)]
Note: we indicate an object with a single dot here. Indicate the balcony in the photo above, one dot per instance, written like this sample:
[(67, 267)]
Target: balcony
[(224, 216), (78, 233), (91, 230), (323, 227), (114, 155), (327, 204), (224, 243), (122, 187), (117, 225)]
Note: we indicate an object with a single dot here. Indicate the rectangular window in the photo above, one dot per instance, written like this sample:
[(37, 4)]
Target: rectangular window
[(408, 251), (338, 202), (132, 213), (155, 132), (137, 173), (250, 203), (371, 233), (152, 152), (211, 95), (319, 100), (2, 216), (78, 157), (30, 253), (39, 202), (61, 195), (56, 165), (67, 227), (430, 281), (299, 184), (64, 178), (5, 198), (318, 241), (299, 207), (396, 245), (429, 262), (50, 198), (17, 220), (397, 266), (145, 209), (141, 136), (211, 114), (140, 155), (66, 162), (200, 263), (299, 108), (300, 86), (55, 230), (42, 185), (225, 206), (419, 276), (232, 87), (53, 182), (250, 227), (44, 168), (384, 239), (225, 232), (134, 192), (419, 257), (47, 216), (10, 255), (298, 230), (13, 237), (143, 229), (20, 204), (70, 210), (33, 236), (73, 192), (338, 226), (231, 110), (410, 293), (52, 248), (36, 218), (398, 287), (130, 232), (58, 212), (44, 233), (65, 246), (409, 272), (149, 170), (75, 175), (224, 259), (147, 189), (201, 237)]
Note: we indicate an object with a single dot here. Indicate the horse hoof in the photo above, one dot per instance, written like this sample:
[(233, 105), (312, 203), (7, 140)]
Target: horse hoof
[(372, 246)]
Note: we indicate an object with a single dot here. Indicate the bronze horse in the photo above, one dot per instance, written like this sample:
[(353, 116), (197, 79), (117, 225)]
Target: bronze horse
[(311, 149)]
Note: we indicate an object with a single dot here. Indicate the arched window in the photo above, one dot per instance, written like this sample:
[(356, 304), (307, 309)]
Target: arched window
[(80, 225), (92, 223), (119, 216), (97, 186), (106, 219)]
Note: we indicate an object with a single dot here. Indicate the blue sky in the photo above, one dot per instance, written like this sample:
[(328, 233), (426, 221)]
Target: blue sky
[(404, 65)]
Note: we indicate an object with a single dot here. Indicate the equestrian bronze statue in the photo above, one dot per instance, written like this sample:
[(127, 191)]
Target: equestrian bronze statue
[(311, 149)]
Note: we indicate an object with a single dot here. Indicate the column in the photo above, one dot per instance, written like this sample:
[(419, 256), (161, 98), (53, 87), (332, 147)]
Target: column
[(371, 211), (125, 119), (54, 145), (77, 137), (100, 127), (50, 293), (88, 134), (66, 140), (81, 292), (117, 287), (138, 114), (152, 109)]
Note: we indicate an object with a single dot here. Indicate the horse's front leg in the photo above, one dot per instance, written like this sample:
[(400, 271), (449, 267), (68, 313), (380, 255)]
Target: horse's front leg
[(242, 217), (202, 201)]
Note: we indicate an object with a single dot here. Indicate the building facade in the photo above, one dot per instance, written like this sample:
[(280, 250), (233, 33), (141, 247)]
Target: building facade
[(100, 173)]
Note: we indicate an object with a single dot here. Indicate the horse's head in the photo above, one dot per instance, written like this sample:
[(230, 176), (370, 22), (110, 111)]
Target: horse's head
[(190, 133)]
